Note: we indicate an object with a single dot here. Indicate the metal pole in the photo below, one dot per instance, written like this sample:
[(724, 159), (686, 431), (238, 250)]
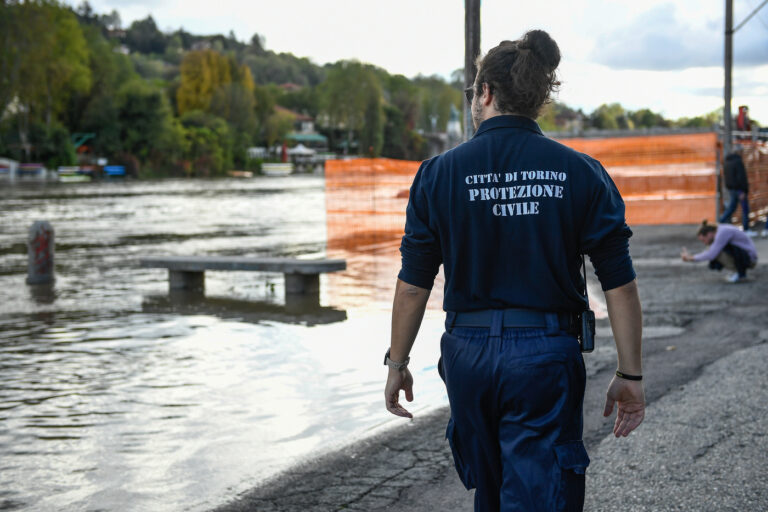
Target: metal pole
[(727, 136), (471, 51), (719, 185)]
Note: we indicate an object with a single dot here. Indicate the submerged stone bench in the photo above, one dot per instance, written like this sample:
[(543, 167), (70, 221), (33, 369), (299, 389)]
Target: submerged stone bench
[(302, 277)]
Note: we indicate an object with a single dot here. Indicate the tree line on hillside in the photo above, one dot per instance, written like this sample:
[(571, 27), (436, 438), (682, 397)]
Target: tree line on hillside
[(183, 104)]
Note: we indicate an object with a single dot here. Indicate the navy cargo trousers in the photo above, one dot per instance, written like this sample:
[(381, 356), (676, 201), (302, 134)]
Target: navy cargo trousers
[(515, 431)]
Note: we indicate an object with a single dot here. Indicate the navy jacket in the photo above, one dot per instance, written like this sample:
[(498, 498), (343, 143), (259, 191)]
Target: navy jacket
[(735, 173), (509, 214)]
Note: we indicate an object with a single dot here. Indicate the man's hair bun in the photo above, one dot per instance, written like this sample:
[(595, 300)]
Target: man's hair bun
[(521, 73), (543, 47)]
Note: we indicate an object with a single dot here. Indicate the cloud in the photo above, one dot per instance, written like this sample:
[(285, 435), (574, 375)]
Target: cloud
[(119, 4), (707, 91), (659, 39), (744, 88)]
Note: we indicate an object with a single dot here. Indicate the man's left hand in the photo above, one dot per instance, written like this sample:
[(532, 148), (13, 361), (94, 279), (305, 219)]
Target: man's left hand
[(630, 397), (397, 380)]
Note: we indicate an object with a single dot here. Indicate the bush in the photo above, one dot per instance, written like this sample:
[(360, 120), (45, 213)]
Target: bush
[(253, 164), (51, 145)]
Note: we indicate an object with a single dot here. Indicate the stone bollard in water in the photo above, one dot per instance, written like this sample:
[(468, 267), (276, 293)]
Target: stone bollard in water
[(40, 248)]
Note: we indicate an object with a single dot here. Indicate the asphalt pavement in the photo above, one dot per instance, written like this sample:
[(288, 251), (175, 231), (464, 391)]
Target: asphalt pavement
[(703, 445)]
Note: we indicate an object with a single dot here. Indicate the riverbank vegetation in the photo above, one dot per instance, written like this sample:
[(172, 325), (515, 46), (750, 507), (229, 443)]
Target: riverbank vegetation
[(75, 83)]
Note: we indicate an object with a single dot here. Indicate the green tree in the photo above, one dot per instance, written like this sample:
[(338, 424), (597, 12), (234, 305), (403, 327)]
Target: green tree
[(547, 119), (401, 113), (610, 117), (278, 125), (270, 67), (646, 118), (707, 120), (265, 98), (111, 21), (174, 50), (47, 65), (556, 116), (304, 100), (148, 67), (86, 14), (395, 143), (436, 98), (209, 151), (257, 45), (144, 116), (143, 36), (203, 73), (10, 53), (96, 111), (403, 95), (372, 130), (52, 144), (351, 100), (235, 104), (102, 118)]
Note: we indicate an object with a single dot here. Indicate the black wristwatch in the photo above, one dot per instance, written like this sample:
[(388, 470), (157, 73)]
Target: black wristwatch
[(395, 365)]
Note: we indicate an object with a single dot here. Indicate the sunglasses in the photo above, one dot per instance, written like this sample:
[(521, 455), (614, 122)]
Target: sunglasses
[(469, 92)]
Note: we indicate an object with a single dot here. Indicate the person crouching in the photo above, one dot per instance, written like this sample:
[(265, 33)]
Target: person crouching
[(729, 247)]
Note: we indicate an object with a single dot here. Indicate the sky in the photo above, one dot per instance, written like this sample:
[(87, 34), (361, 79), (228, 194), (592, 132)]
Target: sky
[(659, 54)]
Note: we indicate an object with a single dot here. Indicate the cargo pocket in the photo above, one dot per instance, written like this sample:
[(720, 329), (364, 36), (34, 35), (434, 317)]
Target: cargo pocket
[(461, 467), (573, 460)]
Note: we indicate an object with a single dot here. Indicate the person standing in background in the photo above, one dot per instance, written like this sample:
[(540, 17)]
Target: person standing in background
[(738, 190)]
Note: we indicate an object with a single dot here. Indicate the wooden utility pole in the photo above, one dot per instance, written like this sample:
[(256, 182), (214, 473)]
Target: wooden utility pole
[(727, 137), (471, 51)]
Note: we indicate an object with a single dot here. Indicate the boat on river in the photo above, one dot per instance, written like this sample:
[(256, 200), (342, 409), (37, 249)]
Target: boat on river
[(240, 174), (72, 174), (277, 169), (27, 172)]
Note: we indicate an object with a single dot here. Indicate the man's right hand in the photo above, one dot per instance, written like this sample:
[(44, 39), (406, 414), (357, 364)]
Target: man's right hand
[(630, 396)]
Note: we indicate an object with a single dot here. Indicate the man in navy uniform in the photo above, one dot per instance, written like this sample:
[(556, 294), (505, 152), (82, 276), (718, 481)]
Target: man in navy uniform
[(509, 214)]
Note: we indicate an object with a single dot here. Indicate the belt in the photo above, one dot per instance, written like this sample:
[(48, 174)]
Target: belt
[(498, 319)]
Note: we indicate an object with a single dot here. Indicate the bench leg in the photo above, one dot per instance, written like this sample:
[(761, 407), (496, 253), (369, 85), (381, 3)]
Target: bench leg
[(302, 284), (188, 281)]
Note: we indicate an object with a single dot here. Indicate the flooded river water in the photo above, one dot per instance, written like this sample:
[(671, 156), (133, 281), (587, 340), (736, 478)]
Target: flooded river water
[(115, 395)]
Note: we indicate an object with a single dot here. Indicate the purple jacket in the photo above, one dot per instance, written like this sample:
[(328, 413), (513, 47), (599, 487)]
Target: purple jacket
[(727, 234)]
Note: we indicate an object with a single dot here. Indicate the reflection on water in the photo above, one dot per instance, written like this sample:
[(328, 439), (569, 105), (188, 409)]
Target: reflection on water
[(297, 309), (115, 395)]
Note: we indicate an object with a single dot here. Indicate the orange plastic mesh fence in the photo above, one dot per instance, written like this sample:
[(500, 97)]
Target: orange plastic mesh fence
[(649, 150), (366, 200), (755, 155), (664, 179)]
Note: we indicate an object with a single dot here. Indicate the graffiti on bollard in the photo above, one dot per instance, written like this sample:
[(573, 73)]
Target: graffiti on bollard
[(40, 253)]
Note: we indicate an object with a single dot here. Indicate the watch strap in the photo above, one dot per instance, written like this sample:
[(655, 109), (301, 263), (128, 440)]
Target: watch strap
[(394, 364)]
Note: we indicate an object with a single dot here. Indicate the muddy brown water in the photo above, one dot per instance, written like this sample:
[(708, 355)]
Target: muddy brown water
[(116, 396)]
